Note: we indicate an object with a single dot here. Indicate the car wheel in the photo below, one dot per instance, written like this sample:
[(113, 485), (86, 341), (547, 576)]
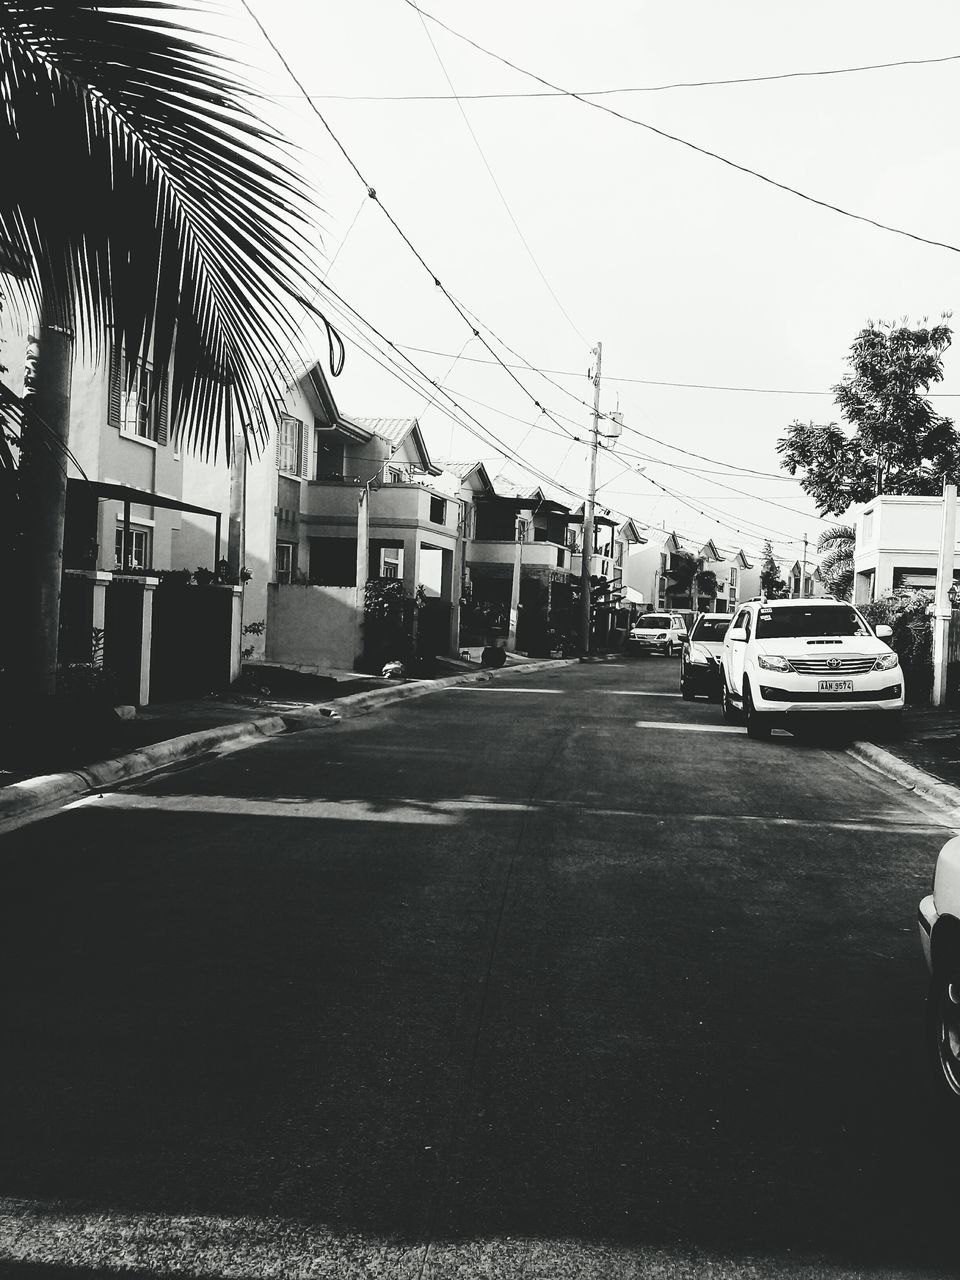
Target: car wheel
[(686, 690), (727, 710), (758, 726), (943, 1037)]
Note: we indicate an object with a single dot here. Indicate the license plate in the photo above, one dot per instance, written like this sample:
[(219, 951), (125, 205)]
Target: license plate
[(835, 686)]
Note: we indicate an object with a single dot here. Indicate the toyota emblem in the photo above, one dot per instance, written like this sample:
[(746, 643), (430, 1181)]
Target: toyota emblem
[(833, 662)]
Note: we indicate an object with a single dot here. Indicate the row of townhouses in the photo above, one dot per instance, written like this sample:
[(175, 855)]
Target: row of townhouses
[(185, 566)]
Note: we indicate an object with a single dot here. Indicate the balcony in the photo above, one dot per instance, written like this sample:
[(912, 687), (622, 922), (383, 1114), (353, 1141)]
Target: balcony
[(534, 555), (398, 505)]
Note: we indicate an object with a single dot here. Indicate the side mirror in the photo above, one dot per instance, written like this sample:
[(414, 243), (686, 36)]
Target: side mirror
[(738, 635), (883, 631)]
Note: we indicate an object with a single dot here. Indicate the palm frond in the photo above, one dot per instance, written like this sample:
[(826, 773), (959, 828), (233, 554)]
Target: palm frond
[(838, 535), (154, 204)]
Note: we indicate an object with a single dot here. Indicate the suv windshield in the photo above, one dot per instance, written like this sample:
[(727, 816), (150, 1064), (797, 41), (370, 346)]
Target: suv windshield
[(818, 620), (655, 621), (710, 629)]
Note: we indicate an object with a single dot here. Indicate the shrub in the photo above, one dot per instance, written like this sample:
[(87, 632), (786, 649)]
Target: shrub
[(912, 639)]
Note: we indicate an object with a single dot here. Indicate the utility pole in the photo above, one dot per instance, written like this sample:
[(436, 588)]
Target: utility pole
[(519, 534), (588, 509), (803, 575), (942, 608)]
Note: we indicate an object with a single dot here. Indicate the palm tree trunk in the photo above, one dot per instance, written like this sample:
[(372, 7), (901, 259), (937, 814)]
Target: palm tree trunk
[(44, 480)]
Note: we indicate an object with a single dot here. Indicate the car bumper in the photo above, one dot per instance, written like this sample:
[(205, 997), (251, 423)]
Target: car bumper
[(868, 695), (643, 643), (926, 918), (699, 676)]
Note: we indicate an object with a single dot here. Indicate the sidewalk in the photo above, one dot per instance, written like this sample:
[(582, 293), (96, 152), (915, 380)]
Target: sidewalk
[(160, 735), (926, 759)]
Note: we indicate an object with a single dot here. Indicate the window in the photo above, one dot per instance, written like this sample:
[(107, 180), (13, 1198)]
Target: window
[(710, 629), (394, 476), (815, 620), (438, 510), (330, 459), (619, 556), (140, 548), (137, 400), (288, 445), (391, 562), (733, 582), (285, 562)]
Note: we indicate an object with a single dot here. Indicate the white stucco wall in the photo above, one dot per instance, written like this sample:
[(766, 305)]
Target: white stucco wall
[(317, 628)]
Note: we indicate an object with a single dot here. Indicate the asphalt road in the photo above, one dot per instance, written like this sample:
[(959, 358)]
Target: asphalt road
[(555, 976)]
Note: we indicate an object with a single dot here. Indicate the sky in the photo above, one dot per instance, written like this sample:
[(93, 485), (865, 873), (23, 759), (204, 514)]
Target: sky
[(558, 226)]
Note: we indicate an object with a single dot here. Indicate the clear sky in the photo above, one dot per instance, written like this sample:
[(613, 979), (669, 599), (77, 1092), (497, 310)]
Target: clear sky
[(687, 270)]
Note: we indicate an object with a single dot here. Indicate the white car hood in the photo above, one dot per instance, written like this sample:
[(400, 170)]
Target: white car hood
[(822, 647)]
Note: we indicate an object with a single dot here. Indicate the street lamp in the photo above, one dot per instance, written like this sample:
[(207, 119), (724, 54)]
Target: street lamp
[(953, 595)]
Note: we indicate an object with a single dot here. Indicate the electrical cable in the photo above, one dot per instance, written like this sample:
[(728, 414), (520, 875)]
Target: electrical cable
[(692, 146), (372, 194), (646, 88), (493, 179), (654, 382)]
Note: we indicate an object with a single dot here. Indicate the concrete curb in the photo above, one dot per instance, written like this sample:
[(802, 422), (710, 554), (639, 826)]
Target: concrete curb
[(358, 704), (22, 798), (942, 794)]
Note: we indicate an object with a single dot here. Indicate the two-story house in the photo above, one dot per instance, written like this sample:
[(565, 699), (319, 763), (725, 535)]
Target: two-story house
[(138, 506), (349, 499)]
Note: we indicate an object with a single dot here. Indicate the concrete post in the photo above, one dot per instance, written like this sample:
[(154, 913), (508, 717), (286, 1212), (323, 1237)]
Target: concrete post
[(236, 631), (363, 566), (146, 640), (515, 587), (942, 610)]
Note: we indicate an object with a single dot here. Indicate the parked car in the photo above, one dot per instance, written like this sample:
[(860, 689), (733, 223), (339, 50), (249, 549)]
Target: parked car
[(663, 632), (700, 657), (939, 921), (787, 661)]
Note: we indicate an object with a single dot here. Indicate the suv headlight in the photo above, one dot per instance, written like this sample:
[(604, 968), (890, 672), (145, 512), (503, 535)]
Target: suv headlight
[(886, 662), (662, 635), (774, 663), (699, 657)]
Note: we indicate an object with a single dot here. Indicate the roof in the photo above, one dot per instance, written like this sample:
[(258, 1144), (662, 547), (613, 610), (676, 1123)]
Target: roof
[(463, 471), (395, 431)]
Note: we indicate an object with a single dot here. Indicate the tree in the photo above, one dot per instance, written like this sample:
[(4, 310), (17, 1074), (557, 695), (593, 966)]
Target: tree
[(151, 208), (835, 570), (899, 443), (771, 584)]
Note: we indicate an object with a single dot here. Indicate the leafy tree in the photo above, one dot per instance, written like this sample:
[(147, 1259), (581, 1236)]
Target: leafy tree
[(899, 443), (707, 584), (146, 202), (835, 570), (770, 581)]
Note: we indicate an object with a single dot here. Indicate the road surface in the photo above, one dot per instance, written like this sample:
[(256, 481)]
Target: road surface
[(556, 975)]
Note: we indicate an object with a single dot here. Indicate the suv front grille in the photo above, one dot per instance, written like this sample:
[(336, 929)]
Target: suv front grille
[(854, 665)]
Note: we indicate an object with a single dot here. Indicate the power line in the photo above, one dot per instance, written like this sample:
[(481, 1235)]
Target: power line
[(692, 146), (656, 382), (493, 179), (372, 194), (646, 88)]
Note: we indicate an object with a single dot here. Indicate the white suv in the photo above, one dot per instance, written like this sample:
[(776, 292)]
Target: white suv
[(664, 632), (787, 659)]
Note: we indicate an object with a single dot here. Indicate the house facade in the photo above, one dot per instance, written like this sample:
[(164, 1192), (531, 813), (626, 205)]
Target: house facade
[(142, 514), (897, 543), (345, 500)]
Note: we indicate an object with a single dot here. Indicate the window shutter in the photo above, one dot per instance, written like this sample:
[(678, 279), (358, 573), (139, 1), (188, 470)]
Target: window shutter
[(304, 451), (162, 411), (113, 387), (276, 458)]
